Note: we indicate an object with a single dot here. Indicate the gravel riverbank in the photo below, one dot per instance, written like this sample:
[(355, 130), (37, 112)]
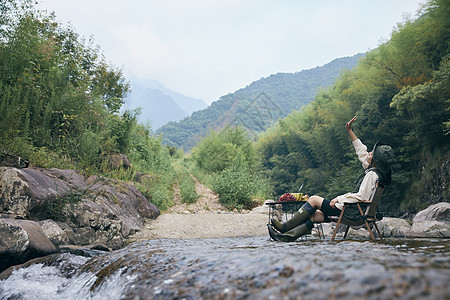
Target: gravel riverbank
[(206, 218)]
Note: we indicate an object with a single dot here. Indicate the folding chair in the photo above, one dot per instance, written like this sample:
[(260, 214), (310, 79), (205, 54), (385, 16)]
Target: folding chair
[(369, 216)]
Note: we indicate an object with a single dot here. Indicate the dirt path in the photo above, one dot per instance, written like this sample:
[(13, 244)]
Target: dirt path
[(206, 218)]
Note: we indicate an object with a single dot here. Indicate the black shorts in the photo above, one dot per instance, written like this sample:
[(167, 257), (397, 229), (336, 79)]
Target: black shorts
[(328, 210)]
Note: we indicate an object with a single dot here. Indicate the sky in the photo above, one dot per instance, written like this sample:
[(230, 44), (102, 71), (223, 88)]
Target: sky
[(209, 48)]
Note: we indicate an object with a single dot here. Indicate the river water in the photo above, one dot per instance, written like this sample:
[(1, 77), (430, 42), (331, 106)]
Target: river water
[(243, 268)]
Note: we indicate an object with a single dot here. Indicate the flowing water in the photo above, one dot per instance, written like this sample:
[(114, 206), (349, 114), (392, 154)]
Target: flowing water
[(243, 268)]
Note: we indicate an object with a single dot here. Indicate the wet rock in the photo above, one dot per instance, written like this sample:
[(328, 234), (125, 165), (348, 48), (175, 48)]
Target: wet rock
[(86, 251), (22, 240), (7, 272), (286, 271)]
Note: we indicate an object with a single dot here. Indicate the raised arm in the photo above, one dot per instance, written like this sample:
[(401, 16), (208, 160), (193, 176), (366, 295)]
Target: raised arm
[(348, 126)]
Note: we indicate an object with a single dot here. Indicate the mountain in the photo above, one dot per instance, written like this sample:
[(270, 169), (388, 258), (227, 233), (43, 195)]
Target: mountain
[(257, 106), (160, 105)]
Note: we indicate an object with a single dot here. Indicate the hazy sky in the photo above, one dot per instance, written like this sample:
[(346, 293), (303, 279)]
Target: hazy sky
[(209, 48)]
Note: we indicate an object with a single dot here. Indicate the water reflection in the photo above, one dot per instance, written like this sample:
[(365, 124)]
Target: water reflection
[(243, 268)]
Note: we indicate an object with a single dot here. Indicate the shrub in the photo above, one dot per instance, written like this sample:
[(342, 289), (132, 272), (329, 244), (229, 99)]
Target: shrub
[(234, 188), (185, 182)]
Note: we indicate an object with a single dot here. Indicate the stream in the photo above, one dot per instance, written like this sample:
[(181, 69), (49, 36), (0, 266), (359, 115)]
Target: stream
[(242, 268)]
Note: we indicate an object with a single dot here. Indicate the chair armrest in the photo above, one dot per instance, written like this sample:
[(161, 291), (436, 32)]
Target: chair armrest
[(354, 203)]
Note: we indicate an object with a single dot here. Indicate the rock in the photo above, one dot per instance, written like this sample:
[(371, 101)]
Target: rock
[(10, 160), (436, 212), (263, 209), (100, 247), (22, 240), (435, 189), (142, 178), (424, 225), (430, 229), (84, 211), (117, 161), (54, 232), (326, 228), (394, 227), (433, 221), (86, 251), (26, 192), (8, 272)]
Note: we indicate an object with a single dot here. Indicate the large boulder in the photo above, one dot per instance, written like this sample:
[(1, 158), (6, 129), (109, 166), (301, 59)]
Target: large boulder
[(430, 229), (394, 227), (28, 192), (22, 240), (84, 210), (432, 222), (436, 212)]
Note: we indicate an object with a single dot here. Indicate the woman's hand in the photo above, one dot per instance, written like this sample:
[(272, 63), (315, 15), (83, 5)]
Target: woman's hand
[(333, 202), (348, 126)]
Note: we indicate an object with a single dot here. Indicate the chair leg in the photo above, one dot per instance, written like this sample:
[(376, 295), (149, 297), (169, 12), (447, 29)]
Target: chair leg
[(322, 235), (370, 231), (367, 224), (378, 230), (346, 232), (337, 224)]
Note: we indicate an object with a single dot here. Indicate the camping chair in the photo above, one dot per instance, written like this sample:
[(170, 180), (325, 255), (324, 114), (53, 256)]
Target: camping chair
[(353, 214)]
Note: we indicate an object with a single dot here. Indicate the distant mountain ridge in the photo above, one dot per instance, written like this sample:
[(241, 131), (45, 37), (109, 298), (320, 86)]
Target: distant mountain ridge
[(160, 105), (257, 106)]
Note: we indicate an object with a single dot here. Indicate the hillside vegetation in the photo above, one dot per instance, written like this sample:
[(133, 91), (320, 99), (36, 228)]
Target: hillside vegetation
[(400, 95), (60, 104), (257, 106)]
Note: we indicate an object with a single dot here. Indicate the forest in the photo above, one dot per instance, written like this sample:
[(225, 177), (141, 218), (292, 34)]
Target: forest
[(61, 100)]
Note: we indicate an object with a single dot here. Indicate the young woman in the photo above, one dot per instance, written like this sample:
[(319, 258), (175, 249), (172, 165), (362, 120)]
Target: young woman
[(377, 166)]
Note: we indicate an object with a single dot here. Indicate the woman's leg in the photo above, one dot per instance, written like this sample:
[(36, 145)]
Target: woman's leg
[(299, 230), (300, 217), (318, 207), (315, 201), (318, 217)]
